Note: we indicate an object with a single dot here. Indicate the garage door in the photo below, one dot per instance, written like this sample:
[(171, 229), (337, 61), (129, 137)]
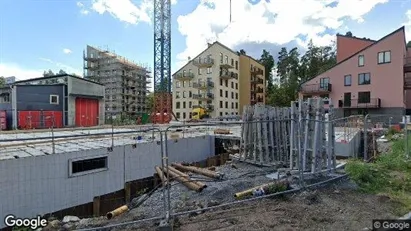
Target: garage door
[(86, 112)]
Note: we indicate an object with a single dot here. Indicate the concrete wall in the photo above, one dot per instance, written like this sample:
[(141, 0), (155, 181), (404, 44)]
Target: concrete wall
[(39, 185)]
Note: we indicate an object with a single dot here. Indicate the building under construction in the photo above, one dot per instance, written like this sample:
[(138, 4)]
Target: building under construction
[(125, 81)]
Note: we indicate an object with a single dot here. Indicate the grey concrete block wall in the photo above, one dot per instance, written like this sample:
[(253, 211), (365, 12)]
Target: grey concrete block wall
[(39, 185)]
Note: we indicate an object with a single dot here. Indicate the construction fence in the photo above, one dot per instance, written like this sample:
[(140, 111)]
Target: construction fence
[(272, 151)]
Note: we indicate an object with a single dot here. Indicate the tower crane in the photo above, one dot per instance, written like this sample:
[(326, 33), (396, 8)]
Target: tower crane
[(163, 109), (162, 112)]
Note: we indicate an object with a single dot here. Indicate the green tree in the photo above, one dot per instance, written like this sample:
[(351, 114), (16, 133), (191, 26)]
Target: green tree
[(2, 81), (241, 52), (267, 60), (409, 44)]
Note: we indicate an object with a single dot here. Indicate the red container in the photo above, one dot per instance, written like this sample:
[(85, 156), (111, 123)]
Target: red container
[(3, 114), (40, 119)]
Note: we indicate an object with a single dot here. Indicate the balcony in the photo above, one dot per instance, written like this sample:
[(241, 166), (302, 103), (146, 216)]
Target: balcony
[(184, 76), (407, 65), (257, 100), (257, 81), (355, 103), (316, 88), (225, 65), (203, 85), (203, 62), (228, 75), (203, 96), (256, 71)]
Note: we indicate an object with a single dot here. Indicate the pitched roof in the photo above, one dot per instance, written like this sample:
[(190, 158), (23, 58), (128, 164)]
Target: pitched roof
[(358, 52)]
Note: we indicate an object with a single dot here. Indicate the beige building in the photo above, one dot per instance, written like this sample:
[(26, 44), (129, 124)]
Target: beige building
[(252, 82), (213, 80)]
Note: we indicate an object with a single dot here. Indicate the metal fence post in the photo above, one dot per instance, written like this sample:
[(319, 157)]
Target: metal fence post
[(52, 135), (366, 137), (406, 136)]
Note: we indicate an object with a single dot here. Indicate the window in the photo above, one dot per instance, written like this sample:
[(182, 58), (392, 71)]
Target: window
[(209, 70), (184, 74), (226, 94), (384, 57), (232, 95), (184, 104), (178, 115), (190, 104), (361, 60), (226, 59), (199, 71), (184, 94), (178, 105), (54, 99), (221, 58), (226, 83), (184, 115), (221, 104), (87, 165), (236, 95), (226, 104), (347, 80), (221, 92), (178, 84), (221, 82), (364, 97), (232, 85), (177, 94), (324, 83), (232, 105), (232, 62), (236, 105), (364, 79), (221, 113), (190, 94), (236, 65)]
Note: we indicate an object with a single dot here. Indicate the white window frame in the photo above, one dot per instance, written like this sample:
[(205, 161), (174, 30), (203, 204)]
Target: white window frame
[(51, 100), (384, 57), (361, 60)]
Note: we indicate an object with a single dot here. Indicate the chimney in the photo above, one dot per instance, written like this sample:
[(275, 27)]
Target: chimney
[(189, 58), (209, 44)]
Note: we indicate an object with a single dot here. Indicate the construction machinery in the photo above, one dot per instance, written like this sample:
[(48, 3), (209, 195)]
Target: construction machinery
[(199, 113)]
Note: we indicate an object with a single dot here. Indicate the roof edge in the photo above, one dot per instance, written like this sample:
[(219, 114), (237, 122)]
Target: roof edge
[(56, 76)]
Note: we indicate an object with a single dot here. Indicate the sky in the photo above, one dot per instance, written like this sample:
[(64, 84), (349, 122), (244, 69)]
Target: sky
[(38, 35)]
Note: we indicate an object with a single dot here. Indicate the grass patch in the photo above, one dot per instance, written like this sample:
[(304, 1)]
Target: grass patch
[(389, 174)]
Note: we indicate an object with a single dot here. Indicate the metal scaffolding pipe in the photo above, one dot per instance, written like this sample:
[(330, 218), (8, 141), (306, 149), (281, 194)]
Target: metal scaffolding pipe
[(201, 171), (117, 212), (161, 175), (185, 181)]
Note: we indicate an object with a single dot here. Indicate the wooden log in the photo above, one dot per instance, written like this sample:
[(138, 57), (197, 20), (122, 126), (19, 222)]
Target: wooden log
[(199, 171), (185, 181), (269, 188)]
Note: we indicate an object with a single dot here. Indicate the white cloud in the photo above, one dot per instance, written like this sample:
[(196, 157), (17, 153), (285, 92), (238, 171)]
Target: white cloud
[(68, 69), (126, 10), (277, 22), (21, 73), (67, 51), (82, 8), (407, 25)]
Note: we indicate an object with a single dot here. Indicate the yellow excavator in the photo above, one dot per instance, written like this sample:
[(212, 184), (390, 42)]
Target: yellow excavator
[(199, 113)]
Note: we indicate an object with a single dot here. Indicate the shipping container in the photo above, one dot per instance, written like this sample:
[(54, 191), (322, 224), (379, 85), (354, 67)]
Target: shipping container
[(40, 119), (87, 111)]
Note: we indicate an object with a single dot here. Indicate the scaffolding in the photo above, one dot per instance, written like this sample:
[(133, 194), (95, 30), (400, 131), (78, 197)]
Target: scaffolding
[(125, 81)]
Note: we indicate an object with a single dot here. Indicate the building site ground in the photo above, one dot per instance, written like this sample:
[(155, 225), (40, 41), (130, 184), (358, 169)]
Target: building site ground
[(379, 189)]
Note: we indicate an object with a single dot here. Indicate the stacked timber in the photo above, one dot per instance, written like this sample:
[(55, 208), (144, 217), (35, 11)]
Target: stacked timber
[(265, 135), (312, 136), (298, 137)]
